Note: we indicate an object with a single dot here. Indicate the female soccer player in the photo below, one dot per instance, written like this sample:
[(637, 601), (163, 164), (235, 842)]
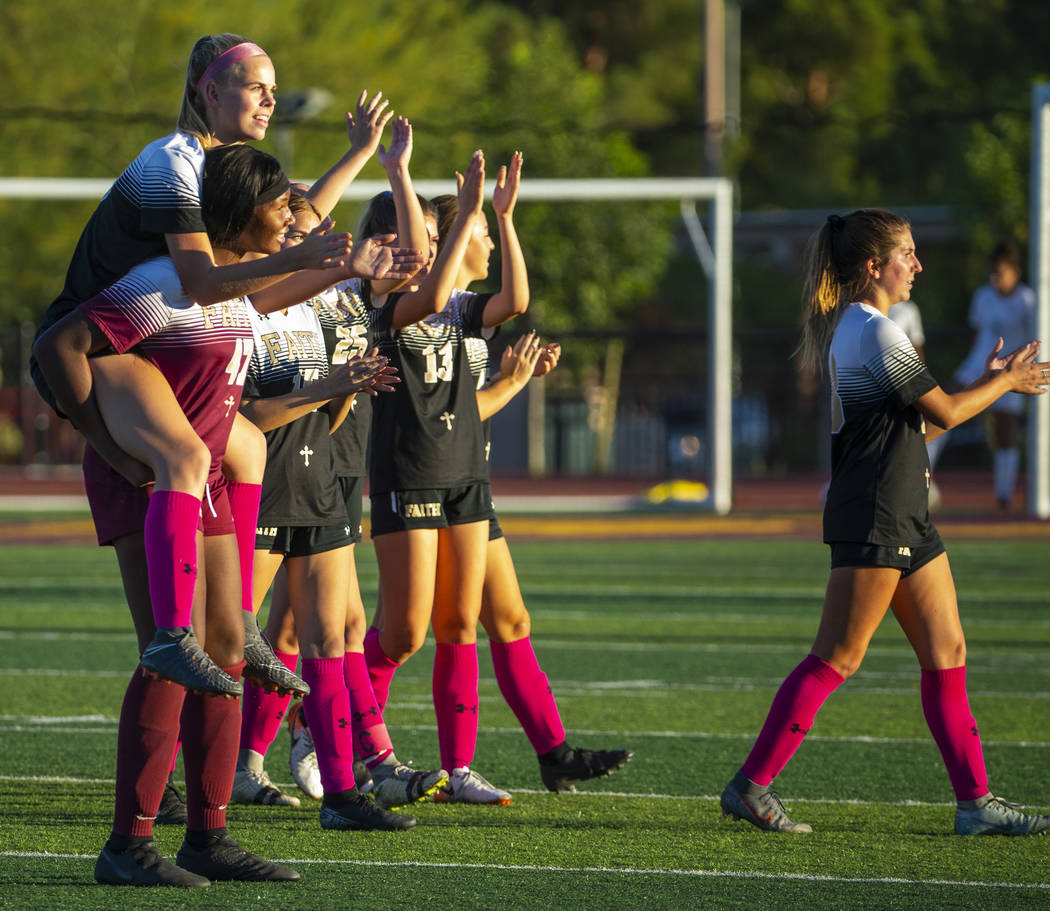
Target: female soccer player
[(202, 352), (504, 616), (427, 477), (885, 552), (154, 209), (1004, 307)]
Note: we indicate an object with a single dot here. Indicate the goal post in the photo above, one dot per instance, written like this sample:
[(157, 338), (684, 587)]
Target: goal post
[(1039, 275), (715, 256)]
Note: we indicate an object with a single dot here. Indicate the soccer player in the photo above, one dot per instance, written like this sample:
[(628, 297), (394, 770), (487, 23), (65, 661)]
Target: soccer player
[(203, 353), (504, 616), (427, 480), (885, 552), (154, 209), (1002, 308)]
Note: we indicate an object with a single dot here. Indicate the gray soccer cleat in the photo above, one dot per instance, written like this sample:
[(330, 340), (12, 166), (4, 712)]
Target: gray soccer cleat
[(742, 799), (262, 667), (400, 784), (175, 654), (994, 816)]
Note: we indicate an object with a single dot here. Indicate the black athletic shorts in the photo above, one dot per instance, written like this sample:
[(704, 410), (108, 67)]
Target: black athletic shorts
[(907, 558), (403, 510), (353, 489), (302, 540)]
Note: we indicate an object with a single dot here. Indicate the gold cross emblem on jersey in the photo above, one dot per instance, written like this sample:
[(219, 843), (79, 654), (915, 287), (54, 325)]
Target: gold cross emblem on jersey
[(448, 419), (229, 403), (306, 452)]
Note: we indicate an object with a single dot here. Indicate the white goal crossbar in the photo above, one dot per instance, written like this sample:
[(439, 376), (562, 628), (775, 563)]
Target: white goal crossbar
[(715, 256)]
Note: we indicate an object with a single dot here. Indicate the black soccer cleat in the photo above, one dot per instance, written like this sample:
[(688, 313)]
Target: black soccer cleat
[(263, 668), (172, 809), (225, 859), (143, 866), (175, 654), (352, 810), (580, 765)]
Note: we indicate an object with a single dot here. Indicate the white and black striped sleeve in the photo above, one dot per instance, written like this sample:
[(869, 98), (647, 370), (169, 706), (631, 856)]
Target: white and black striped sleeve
[(892, 362)]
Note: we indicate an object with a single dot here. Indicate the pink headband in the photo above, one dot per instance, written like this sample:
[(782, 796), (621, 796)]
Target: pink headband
[(226, 59)]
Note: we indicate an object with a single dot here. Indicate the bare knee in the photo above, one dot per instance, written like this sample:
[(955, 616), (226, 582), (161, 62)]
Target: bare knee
[(506, 626), (245, 458), (186, 467), (401, 644)]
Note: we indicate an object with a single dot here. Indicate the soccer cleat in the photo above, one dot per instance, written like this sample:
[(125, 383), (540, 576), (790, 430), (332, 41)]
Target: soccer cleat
[(172, 809), (582, 765), (302, 758), (175, 654), (400, 784), (143, 866), (225, 859), (263, 668), (352, 810), (997, 817), (760, 807), (467, 786), (255, 787)]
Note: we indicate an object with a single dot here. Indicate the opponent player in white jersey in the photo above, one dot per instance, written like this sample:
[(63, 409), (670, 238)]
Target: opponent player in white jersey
[(1005, 307), (884, 549), (202, 352)]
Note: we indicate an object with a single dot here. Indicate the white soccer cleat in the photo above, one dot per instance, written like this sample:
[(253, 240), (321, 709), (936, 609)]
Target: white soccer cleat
[(467, 786), (256, 788)]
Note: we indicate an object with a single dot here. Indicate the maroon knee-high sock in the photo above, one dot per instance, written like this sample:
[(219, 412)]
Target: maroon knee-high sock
[(146, 738), (211, 727)]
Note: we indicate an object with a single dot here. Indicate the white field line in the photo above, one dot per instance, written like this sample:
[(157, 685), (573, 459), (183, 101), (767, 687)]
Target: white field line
[(983, 656), (612, 871), (54, 724), (652, 688)]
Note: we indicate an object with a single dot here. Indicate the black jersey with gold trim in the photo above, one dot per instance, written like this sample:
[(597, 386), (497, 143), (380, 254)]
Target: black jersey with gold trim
[(299, 487), (427, 433), (880, 472), (347, 332)]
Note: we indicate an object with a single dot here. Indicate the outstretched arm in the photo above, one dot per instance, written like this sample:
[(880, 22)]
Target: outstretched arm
[(1017, 372), (208, 283), (364, 131), (411, 227), (517, 366), (433, 293), (359, 374), (513, 297), (371, 258)]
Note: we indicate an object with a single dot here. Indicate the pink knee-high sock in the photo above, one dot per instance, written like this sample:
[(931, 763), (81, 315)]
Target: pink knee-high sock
[(262, 712), (175, 755), (528, 693), (244, 504), (380, 668), (371, 738), (455, 687), (210, 725), (149, 728), (790, 717), (947, 711), (171, 555), (328, 715)]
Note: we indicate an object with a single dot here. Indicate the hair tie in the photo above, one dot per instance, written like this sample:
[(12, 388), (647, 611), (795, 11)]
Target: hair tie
[(836, 222), (228, 58)]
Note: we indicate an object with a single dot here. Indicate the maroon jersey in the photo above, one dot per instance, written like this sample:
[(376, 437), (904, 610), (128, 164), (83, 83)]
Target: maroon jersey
[(203, 352)]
